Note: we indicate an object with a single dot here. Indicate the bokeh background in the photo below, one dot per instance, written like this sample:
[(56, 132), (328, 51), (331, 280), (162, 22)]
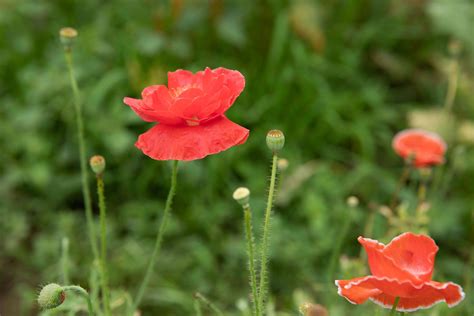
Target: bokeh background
[(340, 78)]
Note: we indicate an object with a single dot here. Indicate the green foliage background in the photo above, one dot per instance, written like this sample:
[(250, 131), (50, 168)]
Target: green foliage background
[(338, 77)]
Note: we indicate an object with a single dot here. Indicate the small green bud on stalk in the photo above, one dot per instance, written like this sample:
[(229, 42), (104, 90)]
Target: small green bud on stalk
[(51, 296), (67, 35), (97, 164), (275, 140), (242, 196)]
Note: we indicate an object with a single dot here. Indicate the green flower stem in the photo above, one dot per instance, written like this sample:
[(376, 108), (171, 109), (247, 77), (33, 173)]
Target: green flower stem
[(251, 256), (197, 307), (394, 307), (65, 259), (82, 154), (209, 304), (79, 290), (401, 182), (103, 246), (159, 237), (265, 239)]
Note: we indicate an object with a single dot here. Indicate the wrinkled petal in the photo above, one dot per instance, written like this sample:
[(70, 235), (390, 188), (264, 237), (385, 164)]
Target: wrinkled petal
[(155, 106), (383, 291), (427, 148), (180, 78), (413, 253), (205, 95), (164, 142), (381, 265)]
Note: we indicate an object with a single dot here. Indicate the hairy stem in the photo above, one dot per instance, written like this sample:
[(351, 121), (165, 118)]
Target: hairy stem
[(159, 237), (251, 257), (263, 282), (82, 153), (103, 246)]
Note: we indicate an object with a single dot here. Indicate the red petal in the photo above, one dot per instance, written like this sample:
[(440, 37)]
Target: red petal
[(412, 297), (355, 294), (427, 147), (381, 265), (145, 113), (163, 142), (155, 106), (206, 94), (413, 253), (180, 78)]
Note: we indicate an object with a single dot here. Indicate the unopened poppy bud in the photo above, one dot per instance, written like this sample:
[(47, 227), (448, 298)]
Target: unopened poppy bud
[(242, 196), (352, 201), (275, 140), (309, 309), (51, 296), (67, 36), (282, 164), (97, 164)]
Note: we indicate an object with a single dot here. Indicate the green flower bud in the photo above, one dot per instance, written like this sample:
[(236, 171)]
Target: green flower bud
[(97, 164), (67, 35), (51, 296), (242, 196), (275, 140)]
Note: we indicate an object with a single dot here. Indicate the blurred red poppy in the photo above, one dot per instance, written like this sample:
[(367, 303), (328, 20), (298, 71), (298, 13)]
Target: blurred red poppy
[(425, 148), (403, 269), (190, 113)]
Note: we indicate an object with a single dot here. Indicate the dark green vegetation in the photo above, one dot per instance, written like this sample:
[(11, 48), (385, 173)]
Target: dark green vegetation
[(338, 77)]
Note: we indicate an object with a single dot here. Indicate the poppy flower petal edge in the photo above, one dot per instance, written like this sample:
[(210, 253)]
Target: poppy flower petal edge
[(450, 293), (163, 142)]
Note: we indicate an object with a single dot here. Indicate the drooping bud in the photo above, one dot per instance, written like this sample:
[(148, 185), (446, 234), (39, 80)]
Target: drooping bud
[(309, 309), (67, 35), (51, 296), (352, 201), (242, 196), (275, 140), (97, 164), (282, 164)]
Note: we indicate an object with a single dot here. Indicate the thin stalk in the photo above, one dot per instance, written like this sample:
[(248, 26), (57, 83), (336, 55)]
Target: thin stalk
[(265, 238), (401, 182), (197, 307), (394, 307), (159, 237), (79, 290), (452, 85), (94, 285), (65, 259), (103, 245), (82, 153), (209, 304), (251, 256)]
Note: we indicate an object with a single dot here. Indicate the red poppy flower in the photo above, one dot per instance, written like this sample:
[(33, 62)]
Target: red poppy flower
[(190, 113), (427, 148), (403, 269)]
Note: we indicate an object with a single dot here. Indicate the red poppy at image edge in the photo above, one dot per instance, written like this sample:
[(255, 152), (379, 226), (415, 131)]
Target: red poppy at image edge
[(190, 113), (427, 148), (403, 269)]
